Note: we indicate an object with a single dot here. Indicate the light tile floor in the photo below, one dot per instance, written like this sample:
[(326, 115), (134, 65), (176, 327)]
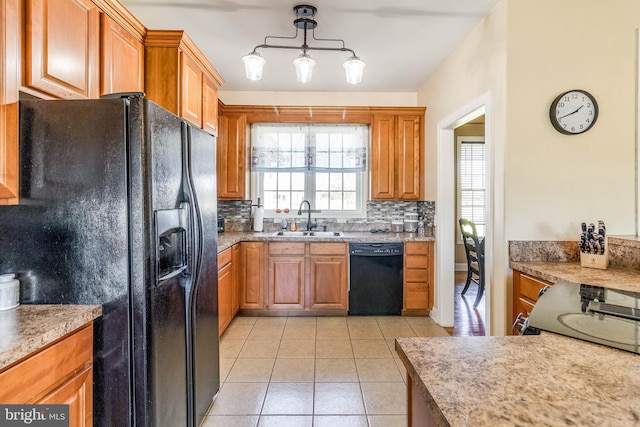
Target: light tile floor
[(314, 371)]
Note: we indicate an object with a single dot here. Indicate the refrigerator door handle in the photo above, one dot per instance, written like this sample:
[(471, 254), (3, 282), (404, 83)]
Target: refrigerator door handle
[(172, 230)]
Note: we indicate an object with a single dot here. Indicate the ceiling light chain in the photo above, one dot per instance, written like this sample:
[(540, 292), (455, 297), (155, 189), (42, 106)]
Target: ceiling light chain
[(254, 63)]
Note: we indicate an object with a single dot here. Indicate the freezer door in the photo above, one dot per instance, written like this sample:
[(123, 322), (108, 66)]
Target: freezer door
[(201, 161), (160, 298)]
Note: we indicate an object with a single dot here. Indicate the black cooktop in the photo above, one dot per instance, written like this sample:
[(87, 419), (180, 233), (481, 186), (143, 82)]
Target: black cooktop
[(592, 313)]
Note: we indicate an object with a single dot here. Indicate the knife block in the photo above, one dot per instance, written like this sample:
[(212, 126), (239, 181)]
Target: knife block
[(599, 261)]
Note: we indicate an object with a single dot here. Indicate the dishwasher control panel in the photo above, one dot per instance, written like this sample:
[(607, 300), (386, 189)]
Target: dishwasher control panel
[(376, 249)]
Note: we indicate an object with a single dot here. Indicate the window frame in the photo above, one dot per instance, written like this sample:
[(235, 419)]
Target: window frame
[(362, 183), (459, 141)]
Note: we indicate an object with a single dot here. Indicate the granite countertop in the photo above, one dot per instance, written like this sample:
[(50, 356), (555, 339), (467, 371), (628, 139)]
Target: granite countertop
[(228, 239), (28, 328), (613, 277), (485, 379)]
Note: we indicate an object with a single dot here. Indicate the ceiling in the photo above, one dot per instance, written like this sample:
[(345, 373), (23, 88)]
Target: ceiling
[(402, 42)]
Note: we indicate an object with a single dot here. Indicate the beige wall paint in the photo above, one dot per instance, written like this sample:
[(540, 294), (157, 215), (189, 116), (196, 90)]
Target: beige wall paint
[(355, 99), (551, 182), (555, 181)]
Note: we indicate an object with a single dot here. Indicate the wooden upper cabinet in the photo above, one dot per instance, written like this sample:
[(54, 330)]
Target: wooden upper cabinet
[(61, 48), (9, 82), (121, 59), (397, 156), (409, 158), (191, 94), (209, 105), (180, 78), (231, 157), (383, 180)]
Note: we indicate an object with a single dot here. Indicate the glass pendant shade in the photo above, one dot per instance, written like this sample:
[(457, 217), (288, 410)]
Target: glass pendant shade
[(253, 65), (304, 67), (354, 67)]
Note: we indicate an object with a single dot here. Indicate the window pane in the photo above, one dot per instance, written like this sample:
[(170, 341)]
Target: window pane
[(322, 200), (284, 181), (335, 201), (297, 181), (296, 198), (270, 200), (322, 142), (349, 181), (322, 159), (349, 200), (335, 181), (322, 181), (270, 181)]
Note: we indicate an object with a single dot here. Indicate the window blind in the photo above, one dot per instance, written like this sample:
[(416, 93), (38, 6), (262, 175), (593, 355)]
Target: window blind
[(313, 147)]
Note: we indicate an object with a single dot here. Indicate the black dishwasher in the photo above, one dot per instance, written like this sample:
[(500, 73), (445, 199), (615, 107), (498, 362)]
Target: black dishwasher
[(375, 278)]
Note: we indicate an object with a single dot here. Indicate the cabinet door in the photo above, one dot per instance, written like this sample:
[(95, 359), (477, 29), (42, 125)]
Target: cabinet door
[(122, 59), (252, 264), (9, 82), (383, 157), (409, 158), (235, 279), (191, 96), (209, 105), (77, 392), (231, 157), (224, 297), (286, 282), (61, 48), (328, 283)]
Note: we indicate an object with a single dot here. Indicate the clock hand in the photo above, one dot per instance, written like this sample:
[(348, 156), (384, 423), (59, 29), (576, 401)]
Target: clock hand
[(571, 113)]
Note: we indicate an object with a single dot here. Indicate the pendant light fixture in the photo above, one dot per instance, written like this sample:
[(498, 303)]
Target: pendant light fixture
[(254, 63)]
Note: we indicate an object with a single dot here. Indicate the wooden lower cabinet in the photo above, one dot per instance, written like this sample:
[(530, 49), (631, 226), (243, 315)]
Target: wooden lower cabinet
[(62, 373), (307, 276), (235, 279), (252, 261), (328, 283), (418, 277), (225, 278), (525, 293)]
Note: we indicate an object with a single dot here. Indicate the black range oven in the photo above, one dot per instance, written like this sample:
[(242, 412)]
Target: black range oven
[(592, 313)]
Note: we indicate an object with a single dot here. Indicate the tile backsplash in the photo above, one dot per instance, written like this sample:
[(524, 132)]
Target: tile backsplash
[(237, 215)]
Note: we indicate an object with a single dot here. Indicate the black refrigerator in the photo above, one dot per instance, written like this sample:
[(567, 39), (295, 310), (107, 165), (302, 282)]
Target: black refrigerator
[(118, 207)]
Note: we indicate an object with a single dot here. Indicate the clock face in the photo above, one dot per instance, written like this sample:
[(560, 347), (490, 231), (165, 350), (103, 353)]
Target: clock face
[(573, 112)]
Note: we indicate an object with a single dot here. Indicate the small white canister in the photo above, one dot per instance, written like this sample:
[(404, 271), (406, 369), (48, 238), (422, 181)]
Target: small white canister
[(9, 291)]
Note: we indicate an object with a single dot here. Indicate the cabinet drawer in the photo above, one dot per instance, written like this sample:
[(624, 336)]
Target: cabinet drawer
[(36, 376), (328, 248), (416, 248), (415, 261), (224, 258), (287, 248), (530, 287), (416, 296), (416, 275)]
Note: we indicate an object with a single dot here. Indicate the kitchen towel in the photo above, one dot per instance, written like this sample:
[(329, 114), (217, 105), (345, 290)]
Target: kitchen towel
[(258, 218)]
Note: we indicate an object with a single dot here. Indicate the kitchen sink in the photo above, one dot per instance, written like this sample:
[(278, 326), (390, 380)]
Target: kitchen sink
[(308, 234)]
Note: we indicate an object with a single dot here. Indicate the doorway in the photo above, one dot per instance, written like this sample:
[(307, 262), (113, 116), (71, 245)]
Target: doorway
[(446, 212)]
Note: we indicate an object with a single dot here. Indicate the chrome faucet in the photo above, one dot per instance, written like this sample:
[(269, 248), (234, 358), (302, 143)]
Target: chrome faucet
[(309, 226)]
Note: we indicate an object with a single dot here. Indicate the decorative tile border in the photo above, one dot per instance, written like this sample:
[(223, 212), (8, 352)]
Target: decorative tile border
[(237, 215)]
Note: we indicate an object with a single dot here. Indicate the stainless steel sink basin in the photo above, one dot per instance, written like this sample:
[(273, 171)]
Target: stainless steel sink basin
[(308, 234)]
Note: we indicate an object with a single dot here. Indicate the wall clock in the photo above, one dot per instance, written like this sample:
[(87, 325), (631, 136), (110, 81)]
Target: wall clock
[(573, 112)]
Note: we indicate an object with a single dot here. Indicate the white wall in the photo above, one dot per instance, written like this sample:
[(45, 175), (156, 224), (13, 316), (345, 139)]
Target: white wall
[(354, 99)]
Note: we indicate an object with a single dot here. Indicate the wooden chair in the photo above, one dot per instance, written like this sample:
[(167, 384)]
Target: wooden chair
[(474, 248)]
